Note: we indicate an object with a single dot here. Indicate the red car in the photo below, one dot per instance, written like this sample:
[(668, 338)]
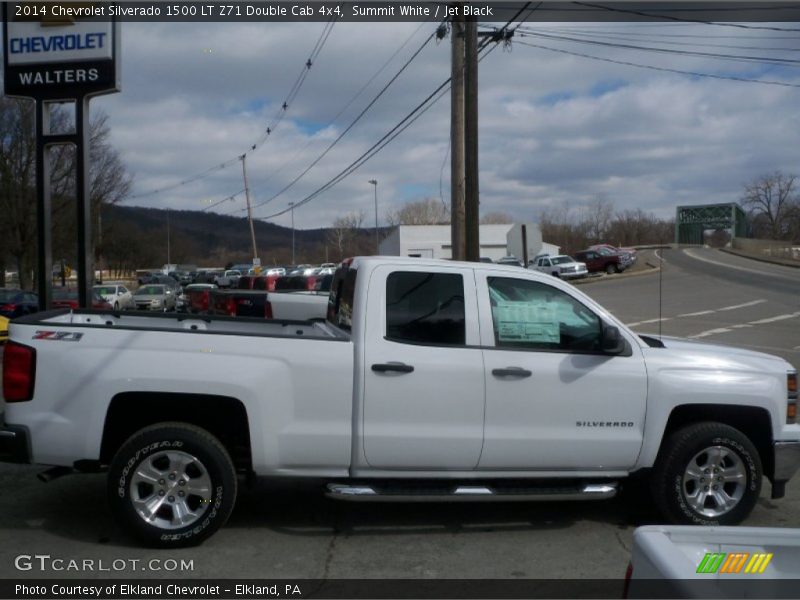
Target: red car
[(68, 298), (198, 297)]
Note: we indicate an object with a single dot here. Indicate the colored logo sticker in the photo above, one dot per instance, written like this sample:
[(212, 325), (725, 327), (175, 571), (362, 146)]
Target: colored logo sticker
[(734, 563)]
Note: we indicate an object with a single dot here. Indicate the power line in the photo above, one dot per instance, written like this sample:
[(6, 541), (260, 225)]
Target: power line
[(226, 199), (783, 62), (664, 69), (274, 172), (276, 120), (404, 124), (650, 15), (351, 125)]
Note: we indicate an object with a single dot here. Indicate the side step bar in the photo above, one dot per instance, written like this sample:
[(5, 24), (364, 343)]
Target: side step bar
[(471, 493)]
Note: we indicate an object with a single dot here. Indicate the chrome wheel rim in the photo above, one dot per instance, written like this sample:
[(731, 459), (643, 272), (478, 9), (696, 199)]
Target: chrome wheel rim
[(714, 481), (171, 489)]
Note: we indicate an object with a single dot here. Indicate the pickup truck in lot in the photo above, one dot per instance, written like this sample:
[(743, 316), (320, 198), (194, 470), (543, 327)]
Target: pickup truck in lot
[(291, 301), (432, 380), (675, 561)]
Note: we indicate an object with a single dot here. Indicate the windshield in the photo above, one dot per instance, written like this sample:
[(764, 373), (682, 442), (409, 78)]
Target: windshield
[(62, 294), (562, 260), (8, 295), (150, 290), (105, 291)]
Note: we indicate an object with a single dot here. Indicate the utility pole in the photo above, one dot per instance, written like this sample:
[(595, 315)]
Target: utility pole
[(169, 262), (249, 211), (457, 134), (291, 206), (471, 188), (375, 183)]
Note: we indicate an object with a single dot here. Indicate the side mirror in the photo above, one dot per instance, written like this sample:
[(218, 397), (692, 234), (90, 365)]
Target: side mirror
[(611, 342)]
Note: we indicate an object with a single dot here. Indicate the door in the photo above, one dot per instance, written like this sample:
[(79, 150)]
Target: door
[(554, 400), (423, 369)]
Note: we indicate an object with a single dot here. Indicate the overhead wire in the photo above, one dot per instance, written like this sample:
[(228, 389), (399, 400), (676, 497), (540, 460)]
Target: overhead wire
[(664, 69), (388, 137), (774, 61), (276, 120), (651, 15), (350, 126)]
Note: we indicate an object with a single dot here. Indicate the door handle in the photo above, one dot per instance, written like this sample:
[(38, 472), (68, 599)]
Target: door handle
[(512, 372), (393, 367)]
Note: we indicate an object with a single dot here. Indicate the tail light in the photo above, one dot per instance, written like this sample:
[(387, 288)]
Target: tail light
[(310, 281), (230, 307), (204, 301), (268, 310), (19, 372), (791, 394), (8, 308)]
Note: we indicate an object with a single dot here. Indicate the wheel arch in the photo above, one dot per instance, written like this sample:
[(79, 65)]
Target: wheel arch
[(224, 417), (754, 422)]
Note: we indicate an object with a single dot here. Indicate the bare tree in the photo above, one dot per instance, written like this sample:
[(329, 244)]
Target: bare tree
[(344, 232), (773, 203), (597, 218), (496, 218), (109, 181), (422, 212)]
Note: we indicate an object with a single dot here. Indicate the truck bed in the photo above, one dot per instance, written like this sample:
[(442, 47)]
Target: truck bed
[(185, 323)]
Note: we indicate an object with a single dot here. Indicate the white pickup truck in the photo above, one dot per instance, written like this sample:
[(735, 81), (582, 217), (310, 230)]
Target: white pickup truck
[(429, 380), (675, 561)]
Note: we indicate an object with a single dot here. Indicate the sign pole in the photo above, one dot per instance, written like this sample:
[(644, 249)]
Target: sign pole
[(44, 245), (83, 203)]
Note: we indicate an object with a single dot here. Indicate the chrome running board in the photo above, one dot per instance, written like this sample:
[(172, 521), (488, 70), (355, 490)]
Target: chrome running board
[(471, 493)]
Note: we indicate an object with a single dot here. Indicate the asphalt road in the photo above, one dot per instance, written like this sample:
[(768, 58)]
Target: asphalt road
[(282, 532)]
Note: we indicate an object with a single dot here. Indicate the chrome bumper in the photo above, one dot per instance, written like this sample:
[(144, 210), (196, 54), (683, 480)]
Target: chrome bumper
[(787, 462)]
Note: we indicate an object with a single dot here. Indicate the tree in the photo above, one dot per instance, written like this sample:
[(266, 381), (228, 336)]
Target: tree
[(344, 232), (773, 204), (109, 182), (422, 212), (597, 219), (496, 218)]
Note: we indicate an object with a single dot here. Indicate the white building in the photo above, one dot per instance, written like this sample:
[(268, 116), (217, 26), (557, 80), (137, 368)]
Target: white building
[(433, 241)]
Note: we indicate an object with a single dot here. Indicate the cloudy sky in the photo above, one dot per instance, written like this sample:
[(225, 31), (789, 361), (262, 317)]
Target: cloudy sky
[(555, 127)]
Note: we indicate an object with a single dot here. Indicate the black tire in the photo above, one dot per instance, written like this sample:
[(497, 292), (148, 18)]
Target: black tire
[(148, 449), (611, 269), (673, 485)]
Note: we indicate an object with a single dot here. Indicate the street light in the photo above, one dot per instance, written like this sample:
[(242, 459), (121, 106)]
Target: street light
[(374, 182), (291, 206)]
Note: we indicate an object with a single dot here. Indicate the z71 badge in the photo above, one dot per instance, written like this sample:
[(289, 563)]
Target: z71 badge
[(58, 336)]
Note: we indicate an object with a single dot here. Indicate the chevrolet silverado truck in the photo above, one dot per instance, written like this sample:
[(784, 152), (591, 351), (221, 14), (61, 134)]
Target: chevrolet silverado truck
[(676, 561), (432, 380)]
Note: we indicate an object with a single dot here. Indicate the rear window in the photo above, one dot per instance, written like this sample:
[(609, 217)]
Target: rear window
[(342, 297)]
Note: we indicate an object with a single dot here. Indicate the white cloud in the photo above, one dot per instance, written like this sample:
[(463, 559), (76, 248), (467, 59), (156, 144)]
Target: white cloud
[(553, 127)]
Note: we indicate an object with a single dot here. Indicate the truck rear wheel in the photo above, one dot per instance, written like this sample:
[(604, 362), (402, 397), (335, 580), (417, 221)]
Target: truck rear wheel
[(172, 485), (707, 474)]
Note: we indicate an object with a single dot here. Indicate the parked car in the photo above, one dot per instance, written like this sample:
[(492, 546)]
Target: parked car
[(631, 252), (118, 296), (182, 277), (17, 303), (509, 260), (155, 297), (228, 279), (3, 330), (68, 298), (198, 297), (627, 257), (678, 561), (597, 261), (562, 266)]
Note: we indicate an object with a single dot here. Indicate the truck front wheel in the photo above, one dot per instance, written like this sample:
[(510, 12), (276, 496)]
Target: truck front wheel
[(172, 485), (707, 474)]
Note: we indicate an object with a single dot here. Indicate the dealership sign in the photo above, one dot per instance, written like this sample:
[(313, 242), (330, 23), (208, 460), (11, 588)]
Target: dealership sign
[(47, 55)]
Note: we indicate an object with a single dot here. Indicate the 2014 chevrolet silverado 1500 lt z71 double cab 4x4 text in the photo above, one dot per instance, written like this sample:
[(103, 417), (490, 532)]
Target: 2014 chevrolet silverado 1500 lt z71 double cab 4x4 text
[(431, 380)]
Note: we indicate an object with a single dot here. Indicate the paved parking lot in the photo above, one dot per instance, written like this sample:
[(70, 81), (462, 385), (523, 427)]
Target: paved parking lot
[(279, 531)]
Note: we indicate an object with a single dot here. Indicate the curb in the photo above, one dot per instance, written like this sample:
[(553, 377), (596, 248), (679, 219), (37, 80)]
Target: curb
[(617, 276), (771, 261)]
